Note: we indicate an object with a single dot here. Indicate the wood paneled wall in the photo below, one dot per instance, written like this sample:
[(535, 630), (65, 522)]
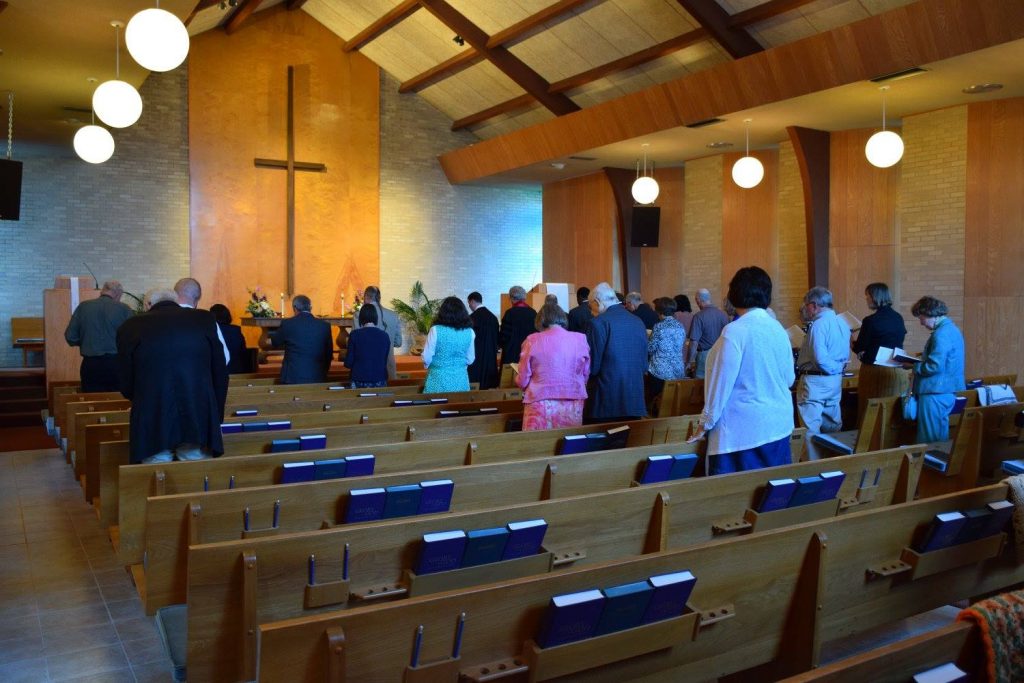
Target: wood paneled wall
[(580, 240), (994, 245), (238, 105), (749, 219), (863, 222), (663, 267)]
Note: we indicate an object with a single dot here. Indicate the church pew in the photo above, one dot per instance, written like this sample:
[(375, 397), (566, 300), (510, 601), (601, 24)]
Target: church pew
[(113, 454), (106, 412), (682, 397), (794, 589), (137, 482), (583, 530), (898, 662), (60, 404), (283, 405), (73, 424)]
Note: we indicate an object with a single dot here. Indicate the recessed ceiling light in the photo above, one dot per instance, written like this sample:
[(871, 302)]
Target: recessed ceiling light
[(899, 75), (979, 88), (721, 144), (558, 164)]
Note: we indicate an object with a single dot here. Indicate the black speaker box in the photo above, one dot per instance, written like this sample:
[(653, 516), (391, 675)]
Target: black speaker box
[(646, 220), (10, 190)]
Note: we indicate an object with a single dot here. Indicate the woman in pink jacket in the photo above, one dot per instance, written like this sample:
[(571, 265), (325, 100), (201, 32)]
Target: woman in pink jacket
[(553, 368)]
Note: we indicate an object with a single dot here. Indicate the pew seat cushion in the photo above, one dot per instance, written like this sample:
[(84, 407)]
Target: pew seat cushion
[(172, 622)]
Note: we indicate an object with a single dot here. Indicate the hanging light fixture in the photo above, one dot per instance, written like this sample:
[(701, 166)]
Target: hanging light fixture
[(748, 171), (884, 148), (645, 188), (94, 143), (157, 39), (117, 103)]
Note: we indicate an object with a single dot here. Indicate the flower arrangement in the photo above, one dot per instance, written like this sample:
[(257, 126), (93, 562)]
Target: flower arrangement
[(258, 306), (356, 305)]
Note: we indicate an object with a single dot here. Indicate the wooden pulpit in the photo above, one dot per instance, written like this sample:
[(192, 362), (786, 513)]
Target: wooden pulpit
[(63, 361), (565, 291)]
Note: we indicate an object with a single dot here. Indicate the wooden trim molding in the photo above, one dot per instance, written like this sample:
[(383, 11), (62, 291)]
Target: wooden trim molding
[(734, 39)]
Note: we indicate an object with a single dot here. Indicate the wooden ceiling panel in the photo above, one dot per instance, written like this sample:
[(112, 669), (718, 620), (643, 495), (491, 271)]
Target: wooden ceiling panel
[(412, 46), (507, 123), (492, 17), (661, 20), (782, 30), (878, 6), (346, 19), (471, 90), (837, 14)]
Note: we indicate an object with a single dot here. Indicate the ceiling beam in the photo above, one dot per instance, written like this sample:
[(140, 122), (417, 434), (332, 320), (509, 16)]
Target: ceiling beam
[(200, 6), (397, 14), (589, 76), (767, 10), (525, 77), (295, 4), (512, 34), (241, 13), (709, 14)]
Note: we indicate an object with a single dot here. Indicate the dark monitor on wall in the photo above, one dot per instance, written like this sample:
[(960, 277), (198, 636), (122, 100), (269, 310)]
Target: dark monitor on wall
[(646, 220), (10, 190)]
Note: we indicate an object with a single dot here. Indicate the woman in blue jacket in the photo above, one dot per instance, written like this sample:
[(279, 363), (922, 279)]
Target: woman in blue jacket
[(940, 372)]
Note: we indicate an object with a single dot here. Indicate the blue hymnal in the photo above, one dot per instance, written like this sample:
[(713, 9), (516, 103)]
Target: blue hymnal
[(807, 491), (313, 442), (958, 405), (359, 465), (329, 469), (524, 538), (777, 493), (976, 383), (435, 496), (484, 546), (936, 460), (624, 607), (656, 468), (1013, 466), (682, 465), (947, 673), (294, 472), (402, 501), (441, 551), (255, 426), (246, 412), (831, 483), (364, 505), (282, 445), (277, 425), (571, 617), (581, 443), (976, 523), (231, 428), (1001, 511), (671, 591), (942, 531)]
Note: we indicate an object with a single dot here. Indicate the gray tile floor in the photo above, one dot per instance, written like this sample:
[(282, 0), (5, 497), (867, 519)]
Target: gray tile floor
[(68, 611)]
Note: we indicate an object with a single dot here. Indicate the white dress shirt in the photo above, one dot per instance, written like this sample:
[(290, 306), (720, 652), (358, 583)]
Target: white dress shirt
[(747, 402)]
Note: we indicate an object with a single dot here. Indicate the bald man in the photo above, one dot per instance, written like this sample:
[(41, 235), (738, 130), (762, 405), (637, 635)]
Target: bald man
[(93, 328), (189, 292)]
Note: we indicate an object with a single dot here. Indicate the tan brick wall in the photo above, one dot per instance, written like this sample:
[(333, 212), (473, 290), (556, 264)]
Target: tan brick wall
[(791, 284), (932, 206), (702, 234)]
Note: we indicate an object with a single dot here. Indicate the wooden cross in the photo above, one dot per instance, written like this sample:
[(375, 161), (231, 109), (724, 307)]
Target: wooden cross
[(291, 166)]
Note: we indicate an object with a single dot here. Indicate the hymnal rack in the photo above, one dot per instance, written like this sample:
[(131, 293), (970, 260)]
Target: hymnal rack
[(766, 521), (917, 564)]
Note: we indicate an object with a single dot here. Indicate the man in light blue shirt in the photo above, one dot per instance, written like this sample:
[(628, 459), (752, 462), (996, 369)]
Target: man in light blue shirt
[(822, 360)]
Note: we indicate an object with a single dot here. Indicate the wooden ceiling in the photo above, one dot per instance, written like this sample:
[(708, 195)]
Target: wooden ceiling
[(522, 62)]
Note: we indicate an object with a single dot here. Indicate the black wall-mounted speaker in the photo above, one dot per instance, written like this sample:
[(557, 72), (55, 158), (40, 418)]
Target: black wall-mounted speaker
[(10, 190), (646, 221)]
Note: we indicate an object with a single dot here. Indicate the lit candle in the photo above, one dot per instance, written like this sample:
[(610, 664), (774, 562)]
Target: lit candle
[(282, 304), (342, 304)]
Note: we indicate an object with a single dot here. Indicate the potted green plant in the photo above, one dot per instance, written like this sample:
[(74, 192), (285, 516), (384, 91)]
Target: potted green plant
[(418, 314)]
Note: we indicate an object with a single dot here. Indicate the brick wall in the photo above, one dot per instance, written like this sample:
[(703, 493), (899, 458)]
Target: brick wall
[(791, 284), (454, 239), (126, 218), (702, 234), (932, 206)]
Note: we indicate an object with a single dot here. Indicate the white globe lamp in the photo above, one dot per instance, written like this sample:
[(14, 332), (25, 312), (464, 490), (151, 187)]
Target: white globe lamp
[(118, 104), (645, 190), (157, 39), (94, 144), (884, 149), (748, 172)]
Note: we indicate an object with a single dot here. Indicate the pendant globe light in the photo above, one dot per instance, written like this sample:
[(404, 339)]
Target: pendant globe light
[(645, 188), (118, 104), (884, 148), (94, 143), (748, 171), (157, 39)]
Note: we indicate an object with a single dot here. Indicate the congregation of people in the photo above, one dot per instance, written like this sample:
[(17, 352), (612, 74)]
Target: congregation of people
[(605, 359)]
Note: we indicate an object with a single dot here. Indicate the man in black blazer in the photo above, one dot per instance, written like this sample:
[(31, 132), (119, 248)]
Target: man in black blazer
[(635, 304), (484, 368), (172, 369), (580, 317), (516, 325), (307, 345), (618, 360)]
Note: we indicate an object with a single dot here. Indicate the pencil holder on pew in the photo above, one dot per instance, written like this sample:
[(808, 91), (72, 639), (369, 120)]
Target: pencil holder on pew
[(325, 593), (273, 530), (446, 669)]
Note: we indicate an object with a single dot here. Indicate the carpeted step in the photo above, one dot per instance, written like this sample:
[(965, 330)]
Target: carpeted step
[(22, 405), (23, 379), (28, 418), (12, 393)]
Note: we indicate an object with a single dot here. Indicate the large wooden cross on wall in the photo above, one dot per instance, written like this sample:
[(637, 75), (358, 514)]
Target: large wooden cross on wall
[(291, 166)]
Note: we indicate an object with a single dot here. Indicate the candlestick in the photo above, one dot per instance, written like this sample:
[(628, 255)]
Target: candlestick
[(342, 304), (282, 304)]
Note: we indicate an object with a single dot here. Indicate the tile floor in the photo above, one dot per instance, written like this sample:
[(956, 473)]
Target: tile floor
[(68, 611)]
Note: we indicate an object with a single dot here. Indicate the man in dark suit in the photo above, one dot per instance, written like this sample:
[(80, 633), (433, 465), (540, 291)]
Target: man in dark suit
[(580, 317), (484, 368), (635, 304), (618, 360), (516, 325), (172, 369), (307, 345)]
